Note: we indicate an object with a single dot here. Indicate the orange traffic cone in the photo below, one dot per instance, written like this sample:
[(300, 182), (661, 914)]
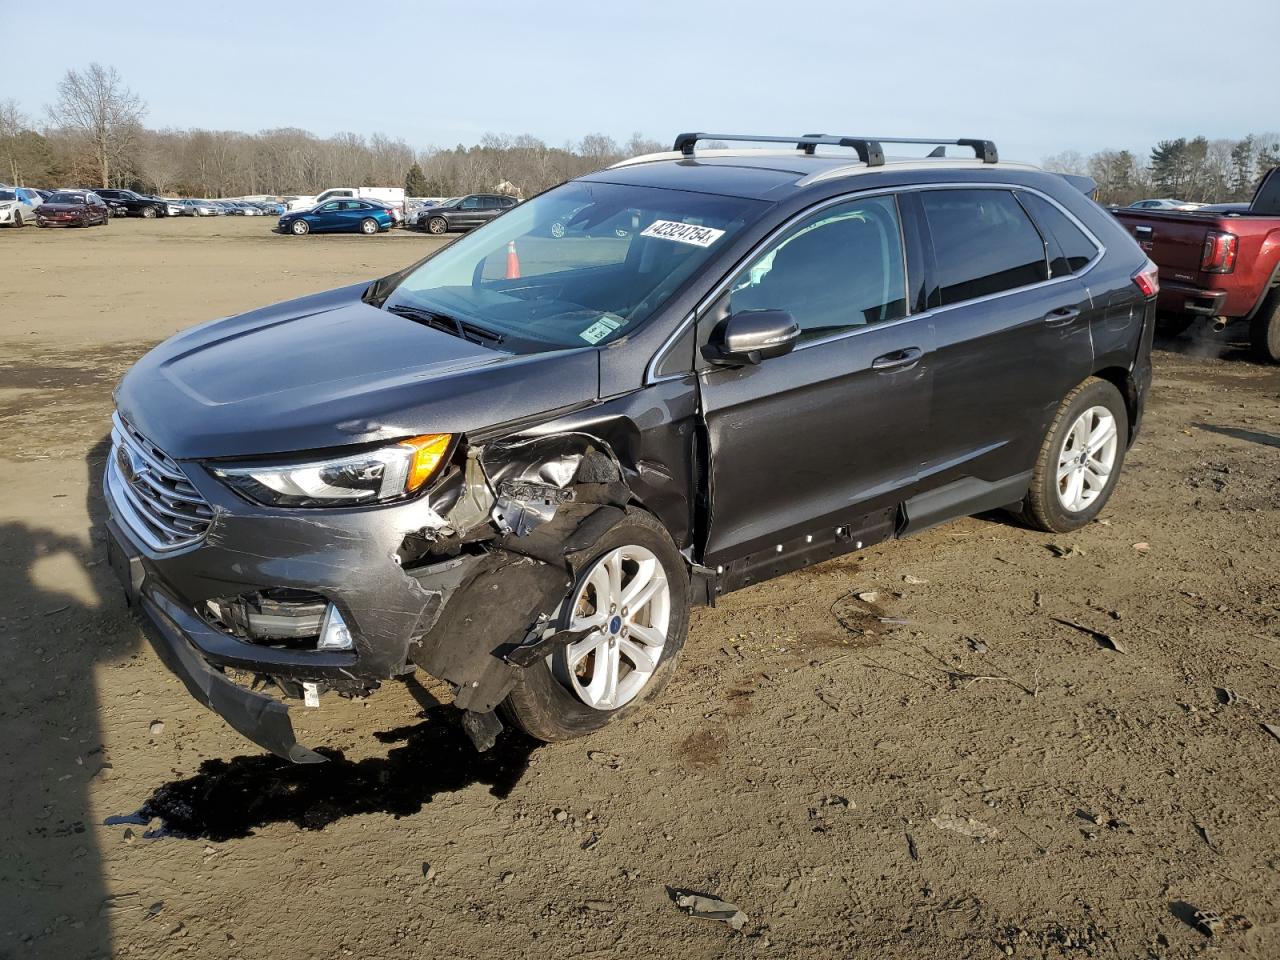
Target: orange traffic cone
[(513, 262)]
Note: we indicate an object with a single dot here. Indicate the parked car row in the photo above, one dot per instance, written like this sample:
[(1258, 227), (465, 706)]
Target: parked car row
[(229, 208)]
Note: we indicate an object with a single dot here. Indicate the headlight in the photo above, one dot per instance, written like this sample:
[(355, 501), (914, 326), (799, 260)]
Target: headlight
[(375, 476)]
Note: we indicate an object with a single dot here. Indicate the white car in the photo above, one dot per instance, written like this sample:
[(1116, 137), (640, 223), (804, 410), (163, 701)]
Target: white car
[(18, 206), (1165, 204)]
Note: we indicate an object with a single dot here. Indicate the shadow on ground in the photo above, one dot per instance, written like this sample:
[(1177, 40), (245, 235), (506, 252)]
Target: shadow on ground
[(53, 893), (1250, 436), (231, 798)]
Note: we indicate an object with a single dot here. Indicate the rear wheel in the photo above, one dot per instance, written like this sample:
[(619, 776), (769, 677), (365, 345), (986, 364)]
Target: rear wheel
[(437, 225), (633, 597), (368, 226), (1264, 329), (300, 228), (1079, 460)]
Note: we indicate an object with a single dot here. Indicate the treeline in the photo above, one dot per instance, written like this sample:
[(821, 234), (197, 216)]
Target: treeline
[(219, 163), (1196, 169), (94, 135)]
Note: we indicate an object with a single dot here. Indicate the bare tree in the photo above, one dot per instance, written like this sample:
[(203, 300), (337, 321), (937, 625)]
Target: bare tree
[(12, 123), (1068, 161), (98, 105)]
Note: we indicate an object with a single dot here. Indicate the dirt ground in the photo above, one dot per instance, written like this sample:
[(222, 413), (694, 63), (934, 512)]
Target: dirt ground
[(984, 774)]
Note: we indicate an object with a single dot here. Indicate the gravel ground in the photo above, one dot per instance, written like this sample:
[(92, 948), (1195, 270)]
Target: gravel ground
[(1056, 748)]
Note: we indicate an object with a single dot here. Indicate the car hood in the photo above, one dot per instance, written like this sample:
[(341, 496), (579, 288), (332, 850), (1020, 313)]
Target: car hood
[(48, 207), (329, 370)]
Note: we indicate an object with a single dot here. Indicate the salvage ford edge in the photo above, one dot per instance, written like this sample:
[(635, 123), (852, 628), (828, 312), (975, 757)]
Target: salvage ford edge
[(516, 464)]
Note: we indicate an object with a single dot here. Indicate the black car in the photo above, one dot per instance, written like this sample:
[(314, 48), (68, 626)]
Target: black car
[(464, 213), (134, 204), (517, 464)]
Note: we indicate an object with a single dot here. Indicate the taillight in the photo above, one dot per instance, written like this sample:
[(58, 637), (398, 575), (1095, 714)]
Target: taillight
[(1219, 252), (1147, 279)]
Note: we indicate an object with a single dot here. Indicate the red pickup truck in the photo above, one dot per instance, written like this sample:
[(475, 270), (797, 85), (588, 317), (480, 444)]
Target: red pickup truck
[(1218, 261)]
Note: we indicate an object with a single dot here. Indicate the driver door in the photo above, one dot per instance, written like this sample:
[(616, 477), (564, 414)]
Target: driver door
[(327, 216), (812, 452)]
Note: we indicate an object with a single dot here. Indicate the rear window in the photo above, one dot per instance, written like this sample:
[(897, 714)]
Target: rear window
[(984, 243), (1069, 248)]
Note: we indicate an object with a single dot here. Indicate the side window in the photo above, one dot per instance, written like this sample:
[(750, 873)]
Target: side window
[(470, 203), (983, 243), (329, 207), (839, 269), (1070, 249)]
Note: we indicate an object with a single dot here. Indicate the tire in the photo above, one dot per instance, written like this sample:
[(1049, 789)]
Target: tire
[(1046, 506), (149, 213), (299, 228), (438, 226), (17, 219), (1264, 329), (368, 226), (545, 702)]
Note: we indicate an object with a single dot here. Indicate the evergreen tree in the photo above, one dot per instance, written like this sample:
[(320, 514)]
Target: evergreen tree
[(415, 182)]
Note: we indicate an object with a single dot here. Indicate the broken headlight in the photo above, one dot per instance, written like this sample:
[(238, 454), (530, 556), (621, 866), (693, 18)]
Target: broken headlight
[(375, 476)]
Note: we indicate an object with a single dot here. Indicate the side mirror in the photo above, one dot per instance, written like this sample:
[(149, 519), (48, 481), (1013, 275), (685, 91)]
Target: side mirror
[(750, 336)]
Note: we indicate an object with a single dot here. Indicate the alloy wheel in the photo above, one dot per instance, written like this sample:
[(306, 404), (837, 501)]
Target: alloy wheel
[(625, 601), (1087, 458)]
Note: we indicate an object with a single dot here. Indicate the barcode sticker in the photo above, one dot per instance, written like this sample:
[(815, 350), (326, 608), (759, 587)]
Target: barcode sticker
[(683, 232)]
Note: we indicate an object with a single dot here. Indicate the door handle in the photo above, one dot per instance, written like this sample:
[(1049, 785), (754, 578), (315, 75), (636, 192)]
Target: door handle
[(1063, 315), (899, 358)]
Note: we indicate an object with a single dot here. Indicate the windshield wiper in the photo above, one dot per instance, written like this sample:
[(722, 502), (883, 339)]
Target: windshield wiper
[(462, 329)]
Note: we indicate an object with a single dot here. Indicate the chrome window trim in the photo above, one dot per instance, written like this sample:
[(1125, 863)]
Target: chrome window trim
[(719, 288)]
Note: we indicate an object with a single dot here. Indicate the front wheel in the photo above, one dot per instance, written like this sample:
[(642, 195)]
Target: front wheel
[(368, 226), (633, 597), (1264, 329), (1080, 459), (149, 213), (300, 228), (437, 225)]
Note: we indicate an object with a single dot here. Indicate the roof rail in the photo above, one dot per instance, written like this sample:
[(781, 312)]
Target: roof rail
[(869, 149)]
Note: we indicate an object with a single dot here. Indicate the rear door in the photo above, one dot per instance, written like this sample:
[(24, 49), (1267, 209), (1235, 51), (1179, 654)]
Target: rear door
[(1012, 341), (811, 453)]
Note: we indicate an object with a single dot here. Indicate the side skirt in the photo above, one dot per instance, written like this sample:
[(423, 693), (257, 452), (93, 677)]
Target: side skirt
[(962, 498)]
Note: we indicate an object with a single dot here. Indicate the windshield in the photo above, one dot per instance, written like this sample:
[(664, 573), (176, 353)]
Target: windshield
[(8, 195), (582, 264), (67, 198)]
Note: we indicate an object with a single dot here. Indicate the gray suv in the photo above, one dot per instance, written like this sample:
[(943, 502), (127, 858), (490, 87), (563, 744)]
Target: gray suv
[(517, 464), (464, 213)]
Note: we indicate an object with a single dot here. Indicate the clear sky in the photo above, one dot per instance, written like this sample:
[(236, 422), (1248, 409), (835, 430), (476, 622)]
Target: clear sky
[(1036, 77)]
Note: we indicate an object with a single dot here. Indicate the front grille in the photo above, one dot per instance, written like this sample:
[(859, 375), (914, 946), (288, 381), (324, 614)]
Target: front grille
[(156, 500)]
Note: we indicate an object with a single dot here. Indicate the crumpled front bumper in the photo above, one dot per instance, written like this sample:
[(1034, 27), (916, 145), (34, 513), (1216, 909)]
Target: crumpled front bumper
[(259, 717)]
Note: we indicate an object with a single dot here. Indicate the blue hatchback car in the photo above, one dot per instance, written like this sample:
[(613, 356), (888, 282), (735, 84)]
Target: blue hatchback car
[(339, 216)]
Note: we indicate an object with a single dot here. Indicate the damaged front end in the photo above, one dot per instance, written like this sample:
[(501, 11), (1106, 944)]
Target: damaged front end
[(461, 582)]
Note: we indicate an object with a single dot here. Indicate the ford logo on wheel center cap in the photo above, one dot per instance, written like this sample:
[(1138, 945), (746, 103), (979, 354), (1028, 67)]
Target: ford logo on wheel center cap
[(615, 625)]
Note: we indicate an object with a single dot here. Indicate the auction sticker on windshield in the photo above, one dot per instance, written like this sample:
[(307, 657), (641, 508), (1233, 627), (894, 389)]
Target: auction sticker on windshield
[(600, 329), (683, 232)]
